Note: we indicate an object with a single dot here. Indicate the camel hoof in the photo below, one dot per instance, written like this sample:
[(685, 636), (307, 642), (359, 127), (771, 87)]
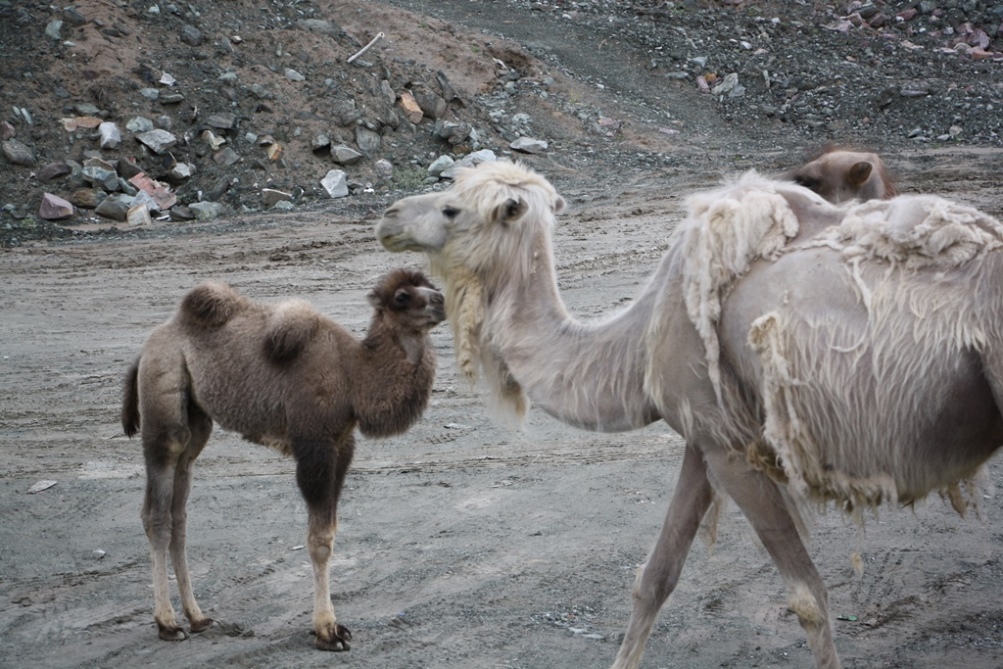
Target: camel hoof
[(338, 641), (172, 633), (201, 625)]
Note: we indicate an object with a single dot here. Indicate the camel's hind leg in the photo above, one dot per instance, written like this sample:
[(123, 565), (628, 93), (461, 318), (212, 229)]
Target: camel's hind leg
[(173, 436), (320, 472), (200, 426), (765, 508), (660, 574)]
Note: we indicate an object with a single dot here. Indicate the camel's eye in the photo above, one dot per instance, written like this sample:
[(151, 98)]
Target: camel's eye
[(450, 212), (402, 297)]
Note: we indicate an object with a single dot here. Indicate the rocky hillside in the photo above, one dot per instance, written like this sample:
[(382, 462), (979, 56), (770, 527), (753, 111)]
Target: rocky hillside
[(132, 113)]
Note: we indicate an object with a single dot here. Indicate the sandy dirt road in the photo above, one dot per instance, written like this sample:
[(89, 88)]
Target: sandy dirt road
[(462, 543)]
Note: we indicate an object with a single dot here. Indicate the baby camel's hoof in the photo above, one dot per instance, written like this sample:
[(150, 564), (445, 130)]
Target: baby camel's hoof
[(172, 633), (339, 636), (201, 625)]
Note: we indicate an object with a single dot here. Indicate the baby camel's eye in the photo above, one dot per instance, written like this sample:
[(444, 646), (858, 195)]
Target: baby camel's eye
[(450, 212)]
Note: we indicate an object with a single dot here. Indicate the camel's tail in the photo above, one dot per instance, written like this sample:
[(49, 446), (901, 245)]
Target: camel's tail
[(130, 401)]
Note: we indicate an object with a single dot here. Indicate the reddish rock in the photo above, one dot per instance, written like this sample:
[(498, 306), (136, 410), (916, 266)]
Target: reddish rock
[(54, 208)]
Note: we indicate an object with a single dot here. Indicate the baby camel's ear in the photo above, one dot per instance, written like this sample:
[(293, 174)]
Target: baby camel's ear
[(509, 210)]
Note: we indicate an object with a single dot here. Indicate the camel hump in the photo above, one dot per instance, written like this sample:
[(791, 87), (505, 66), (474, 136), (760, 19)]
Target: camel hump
[(291, 326), (210, 305)]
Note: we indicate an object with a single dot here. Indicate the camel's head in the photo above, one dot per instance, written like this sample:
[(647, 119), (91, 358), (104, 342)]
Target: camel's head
[(407, 301), (840, 176), (483, 233)]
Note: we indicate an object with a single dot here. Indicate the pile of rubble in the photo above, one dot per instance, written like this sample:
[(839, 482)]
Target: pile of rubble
[(208, 126)]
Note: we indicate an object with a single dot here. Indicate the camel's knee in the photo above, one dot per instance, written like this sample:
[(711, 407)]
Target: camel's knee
[(811, 610), (651, 588)]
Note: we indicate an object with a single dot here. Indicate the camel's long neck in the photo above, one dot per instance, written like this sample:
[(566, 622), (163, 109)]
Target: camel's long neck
[(587, 375)]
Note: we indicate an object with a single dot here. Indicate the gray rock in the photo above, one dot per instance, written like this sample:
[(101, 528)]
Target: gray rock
[(181, 171), (431, 104), (206, 211), (53, 171), (452, 132), (384, 169), (335, 184), (158, 141), (88, 198), (344, 155), (367, 140), (53, 29), (270, 196), (150, 93), (191, 35), (54, 208), (293, 75), (182, 213), (101, 177), (528, 145), (320, 142), (18, 153), (126, 187), (115, 207), (226, 157), (469, 160), (139, 124), (145, 199), (86, 109), (439, 165), (127, 168), (110, 135), (224, 121), (283, 205), (74, 17)]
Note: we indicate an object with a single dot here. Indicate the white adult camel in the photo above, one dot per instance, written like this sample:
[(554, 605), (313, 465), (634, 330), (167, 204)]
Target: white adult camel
[(807, 352)]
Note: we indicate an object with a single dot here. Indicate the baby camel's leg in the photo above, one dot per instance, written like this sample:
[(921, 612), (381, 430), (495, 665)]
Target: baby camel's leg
[(165, 441), (320, 473), (660, 573), (200, 426), (764, 507)]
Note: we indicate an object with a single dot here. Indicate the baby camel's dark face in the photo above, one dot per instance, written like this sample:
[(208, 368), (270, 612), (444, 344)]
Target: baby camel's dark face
[(411, 300)]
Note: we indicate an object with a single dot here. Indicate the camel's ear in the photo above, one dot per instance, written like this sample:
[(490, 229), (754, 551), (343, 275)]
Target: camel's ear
[(374, 300), (559, 204), (859, 173), (509, 210)]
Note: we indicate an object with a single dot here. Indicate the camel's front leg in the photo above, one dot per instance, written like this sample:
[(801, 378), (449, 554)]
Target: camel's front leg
[(764, 506), (660, 574), (320, 473)]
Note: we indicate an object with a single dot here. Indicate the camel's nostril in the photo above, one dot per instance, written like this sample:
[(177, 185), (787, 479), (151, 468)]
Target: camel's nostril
[(390, 212)]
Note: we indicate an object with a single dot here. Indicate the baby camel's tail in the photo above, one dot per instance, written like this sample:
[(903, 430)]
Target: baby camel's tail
[(130, 401)]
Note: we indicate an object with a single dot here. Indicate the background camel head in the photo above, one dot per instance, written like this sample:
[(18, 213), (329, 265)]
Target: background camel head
[(840, 176)]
